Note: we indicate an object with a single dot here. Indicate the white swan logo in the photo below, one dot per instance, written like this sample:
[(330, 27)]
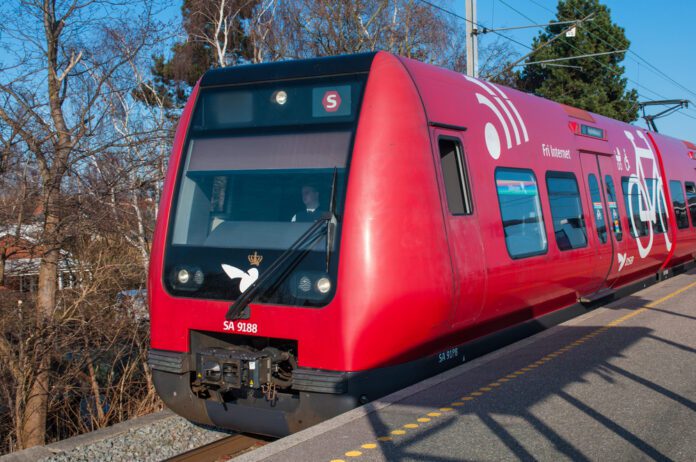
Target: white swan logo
[(246, 278), (624, 260), (510, 119)]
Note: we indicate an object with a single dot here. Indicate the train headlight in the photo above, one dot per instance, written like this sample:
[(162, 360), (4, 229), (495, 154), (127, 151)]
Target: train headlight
[(183, 276), (280, 97), (305, 284), (198, 277), (323, 285)]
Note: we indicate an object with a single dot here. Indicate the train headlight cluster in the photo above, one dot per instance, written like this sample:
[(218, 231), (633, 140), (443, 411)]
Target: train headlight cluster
[(311, 285), (187, 278)]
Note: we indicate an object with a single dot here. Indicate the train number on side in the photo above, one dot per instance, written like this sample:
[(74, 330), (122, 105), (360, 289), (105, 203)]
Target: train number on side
[(447, 355), (241, 326)]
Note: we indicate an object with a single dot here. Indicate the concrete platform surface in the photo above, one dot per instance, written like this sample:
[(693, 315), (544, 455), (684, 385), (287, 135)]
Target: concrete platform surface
[(618, 383)]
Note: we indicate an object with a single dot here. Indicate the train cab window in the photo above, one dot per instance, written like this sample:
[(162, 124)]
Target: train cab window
[(613, 208), (566, 210), (679, 203), (598, 208), (520, 210), (691, 200), (455, 177)]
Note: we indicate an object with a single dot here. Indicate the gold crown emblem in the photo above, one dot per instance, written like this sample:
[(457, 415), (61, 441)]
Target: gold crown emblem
[(255, 259)]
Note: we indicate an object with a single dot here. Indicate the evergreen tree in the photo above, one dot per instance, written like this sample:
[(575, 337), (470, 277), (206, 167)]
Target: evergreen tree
[(216, 36), (598, 86)]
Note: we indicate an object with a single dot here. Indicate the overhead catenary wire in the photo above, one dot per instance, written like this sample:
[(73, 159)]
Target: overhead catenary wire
[(453, 14), (651, 66), (479, 25), (637, 84)]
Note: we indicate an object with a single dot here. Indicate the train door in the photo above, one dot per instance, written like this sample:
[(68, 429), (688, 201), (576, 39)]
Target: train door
[(462, 225), (602, 220)]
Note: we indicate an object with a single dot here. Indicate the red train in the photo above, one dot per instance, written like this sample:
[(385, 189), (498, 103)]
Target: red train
[(334, 229)]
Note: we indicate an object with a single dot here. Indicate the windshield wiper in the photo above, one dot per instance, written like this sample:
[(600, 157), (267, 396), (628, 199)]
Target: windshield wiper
[(331, 224), (236, 310)]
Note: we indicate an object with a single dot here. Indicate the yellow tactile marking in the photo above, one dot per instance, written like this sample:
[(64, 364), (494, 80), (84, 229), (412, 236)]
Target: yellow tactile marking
[(519, 372)]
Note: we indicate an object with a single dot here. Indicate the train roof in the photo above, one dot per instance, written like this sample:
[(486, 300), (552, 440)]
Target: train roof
[(347, 64), (297, 69)]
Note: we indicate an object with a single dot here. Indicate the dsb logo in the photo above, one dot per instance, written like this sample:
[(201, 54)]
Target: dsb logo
[(331, 101)]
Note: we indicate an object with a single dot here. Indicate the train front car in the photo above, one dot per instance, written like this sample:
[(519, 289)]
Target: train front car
[(298, 244)]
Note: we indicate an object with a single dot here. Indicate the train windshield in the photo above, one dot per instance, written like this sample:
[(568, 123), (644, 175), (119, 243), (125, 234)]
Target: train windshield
[(261, 165)]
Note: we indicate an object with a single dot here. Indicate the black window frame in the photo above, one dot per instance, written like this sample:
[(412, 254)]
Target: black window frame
[(604, 240), (611, 194), (542, 220), (566, 175), (463, 183), (679, 187), (691, 206)]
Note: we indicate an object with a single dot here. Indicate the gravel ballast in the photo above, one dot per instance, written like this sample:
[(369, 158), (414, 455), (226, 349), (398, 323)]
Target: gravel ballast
[(152, 438)]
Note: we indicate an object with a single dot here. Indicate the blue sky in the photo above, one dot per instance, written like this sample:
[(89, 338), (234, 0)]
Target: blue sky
[(661, 33)]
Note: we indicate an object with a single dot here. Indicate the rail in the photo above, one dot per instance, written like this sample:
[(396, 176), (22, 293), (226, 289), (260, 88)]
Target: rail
[(222, 449)]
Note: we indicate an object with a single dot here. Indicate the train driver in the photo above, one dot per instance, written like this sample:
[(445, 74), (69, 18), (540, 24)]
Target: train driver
[(312, 212)]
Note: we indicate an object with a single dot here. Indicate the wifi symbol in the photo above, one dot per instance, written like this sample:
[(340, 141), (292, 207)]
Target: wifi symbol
[(509, 118)]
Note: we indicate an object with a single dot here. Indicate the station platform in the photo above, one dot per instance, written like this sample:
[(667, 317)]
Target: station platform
[(618, 383)]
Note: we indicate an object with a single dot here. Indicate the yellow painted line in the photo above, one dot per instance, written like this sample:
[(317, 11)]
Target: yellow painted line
[(528, 368)]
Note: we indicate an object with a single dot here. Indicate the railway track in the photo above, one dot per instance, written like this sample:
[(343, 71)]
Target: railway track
[(222, 449)]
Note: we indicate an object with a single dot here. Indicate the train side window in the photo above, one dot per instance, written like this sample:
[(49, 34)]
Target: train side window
[(597, 208), (455, 177), (662, 219), (613, 208), (520, 210), (632, 198), (679, 203), (691, 199), (566, 210)]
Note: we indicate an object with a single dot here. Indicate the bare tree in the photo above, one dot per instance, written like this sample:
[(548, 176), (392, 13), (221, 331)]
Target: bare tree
[(53, 97)]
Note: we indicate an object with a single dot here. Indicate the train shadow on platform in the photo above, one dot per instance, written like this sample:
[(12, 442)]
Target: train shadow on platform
[(519, 414)]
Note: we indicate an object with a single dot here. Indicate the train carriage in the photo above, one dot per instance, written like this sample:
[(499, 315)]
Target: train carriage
[(335, 229)]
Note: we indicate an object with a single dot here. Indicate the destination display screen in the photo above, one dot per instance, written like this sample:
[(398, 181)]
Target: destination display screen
[(278, 104)]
